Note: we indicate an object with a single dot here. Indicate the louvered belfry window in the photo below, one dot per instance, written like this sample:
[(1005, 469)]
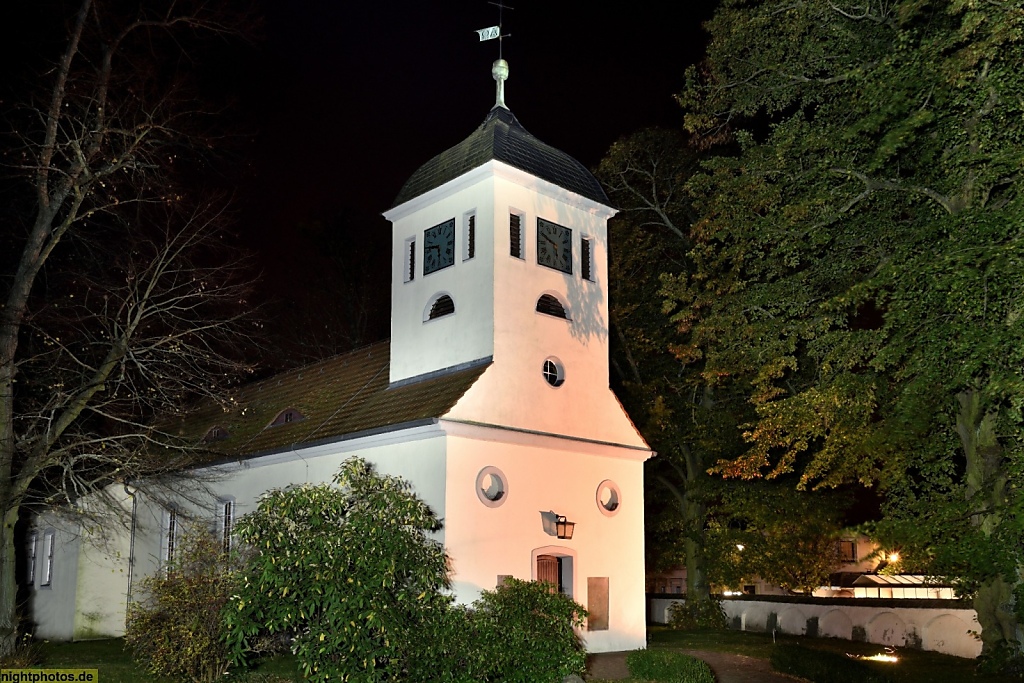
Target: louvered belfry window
[(443, 306), (470, 237), (515, 234), (549, 305), (585, 258)]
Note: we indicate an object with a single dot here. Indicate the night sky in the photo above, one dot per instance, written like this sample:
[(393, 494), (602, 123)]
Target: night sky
[(339, 102), (351, 98)]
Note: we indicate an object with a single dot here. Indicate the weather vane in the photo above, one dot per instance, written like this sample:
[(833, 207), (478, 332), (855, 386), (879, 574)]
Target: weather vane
[(493, 32)]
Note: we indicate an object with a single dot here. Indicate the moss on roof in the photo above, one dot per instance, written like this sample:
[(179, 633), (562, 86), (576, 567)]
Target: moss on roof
[(340, 396), (503, 138)]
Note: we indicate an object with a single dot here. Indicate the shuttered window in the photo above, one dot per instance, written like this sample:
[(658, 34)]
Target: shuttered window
[(515, 234), (410, 260), (586, 256), (469, 237)]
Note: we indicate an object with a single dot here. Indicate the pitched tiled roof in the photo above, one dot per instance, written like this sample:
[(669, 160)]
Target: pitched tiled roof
[(340, 396), (501, 137)]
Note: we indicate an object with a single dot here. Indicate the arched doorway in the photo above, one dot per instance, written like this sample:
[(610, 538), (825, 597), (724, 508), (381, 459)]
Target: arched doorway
[(555, 565)]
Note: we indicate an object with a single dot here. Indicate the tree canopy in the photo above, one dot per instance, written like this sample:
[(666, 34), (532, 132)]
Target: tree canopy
[(691, 420), (119, 301), (858, 260)]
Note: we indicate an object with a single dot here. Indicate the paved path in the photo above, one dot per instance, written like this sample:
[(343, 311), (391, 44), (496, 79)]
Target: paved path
[(728, 668)]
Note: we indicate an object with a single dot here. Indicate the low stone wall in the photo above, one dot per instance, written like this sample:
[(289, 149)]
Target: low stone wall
[(939, 625)]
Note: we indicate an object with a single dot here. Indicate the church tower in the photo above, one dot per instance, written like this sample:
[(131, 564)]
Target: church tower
[(500, 248)]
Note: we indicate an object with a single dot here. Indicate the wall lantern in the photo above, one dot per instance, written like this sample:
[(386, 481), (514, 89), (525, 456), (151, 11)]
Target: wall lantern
[(563, 527)]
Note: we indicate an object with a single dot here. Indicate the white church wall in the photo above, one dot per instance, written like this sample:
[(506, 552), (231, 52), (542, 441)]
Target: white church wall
[(86, 596), (53, 602), (513, 391), (547, 475), (103, 585), (414, 454), (419, 347), (94, 604), (941, 628)]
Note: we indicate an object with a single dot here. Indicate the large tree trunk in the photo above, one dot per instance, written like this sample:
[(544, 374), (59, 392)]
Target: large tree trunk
[(686, 491), (8, 583), (986, 480), (694, 513), (696, 562)]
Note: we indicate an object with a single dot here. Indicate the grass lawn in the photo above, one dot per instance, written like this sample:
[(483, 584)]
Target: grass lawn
[(915, 666), (116, 666)]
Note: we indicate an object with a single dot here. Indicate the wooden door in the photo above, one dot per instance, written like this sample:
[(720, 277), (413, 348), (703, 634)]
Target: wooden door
[(548, 570)]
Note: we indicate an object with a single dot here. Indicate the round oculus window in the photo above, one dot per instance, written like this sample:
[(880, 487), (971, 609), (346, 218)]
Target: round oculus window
[(609, 498), (554, 372), (491, 486)]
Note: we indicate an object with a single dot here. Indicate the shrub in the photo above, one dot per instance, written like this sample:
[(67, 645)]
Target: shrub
[(823, 667), (350, 571), (1002, 661), (176, 630), (522, 632), (25, 655), (659, 665), (695, 615)]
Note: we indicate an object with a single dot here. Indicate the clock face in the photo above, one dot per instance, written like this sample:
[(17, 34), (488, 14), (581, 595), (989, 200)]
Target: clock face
[(554, 246), (439, 247)]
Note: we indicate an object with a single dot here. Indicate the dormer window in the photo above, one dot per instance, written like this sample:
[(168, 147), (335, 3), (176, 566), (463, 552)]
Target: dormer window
[(443, 305), (287, 416), (549, 305), (217, 433)]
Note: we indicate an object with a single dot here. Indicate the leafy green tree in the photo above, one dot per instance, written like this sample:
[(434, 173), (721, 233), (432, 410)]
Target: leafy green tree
[(645, 175), (690, 419), (770, 530), (350, 572), (860, 259)]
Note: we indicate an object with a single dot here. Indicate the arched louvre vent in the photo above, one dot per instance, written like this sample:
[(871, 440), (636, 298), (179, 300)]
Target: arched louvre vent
[(217, 433), (549, 305), (443, 306), (286, 417)]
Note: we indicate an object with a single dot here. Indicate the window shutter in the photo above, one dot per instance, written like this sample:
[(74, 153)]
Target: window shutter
[(412, 260), (515, 235), (585, 256)]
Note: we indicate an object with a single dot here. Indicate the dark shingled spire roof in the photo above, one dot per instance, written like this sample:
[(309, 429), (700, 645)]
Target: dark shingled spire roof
[(503, 138)]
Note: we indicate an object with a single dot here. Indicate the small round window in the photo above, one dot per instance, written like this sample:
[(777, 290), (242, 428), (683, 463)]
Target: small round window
[(609, 498), (491, 487), (554, 372)]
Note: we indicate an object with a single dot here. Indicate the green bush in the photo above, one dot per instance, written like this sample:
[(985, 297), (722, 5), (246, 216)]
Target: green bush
[(673, 667), (523, 633), (698, 615), (25, 655), (349, 571), (176, 629), (823, 667)]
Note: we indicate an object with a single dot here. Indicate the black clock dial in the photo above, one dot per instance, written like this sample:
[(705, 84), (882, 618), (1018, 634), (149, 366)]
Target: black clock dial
[(554, 246), (439, 246)]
